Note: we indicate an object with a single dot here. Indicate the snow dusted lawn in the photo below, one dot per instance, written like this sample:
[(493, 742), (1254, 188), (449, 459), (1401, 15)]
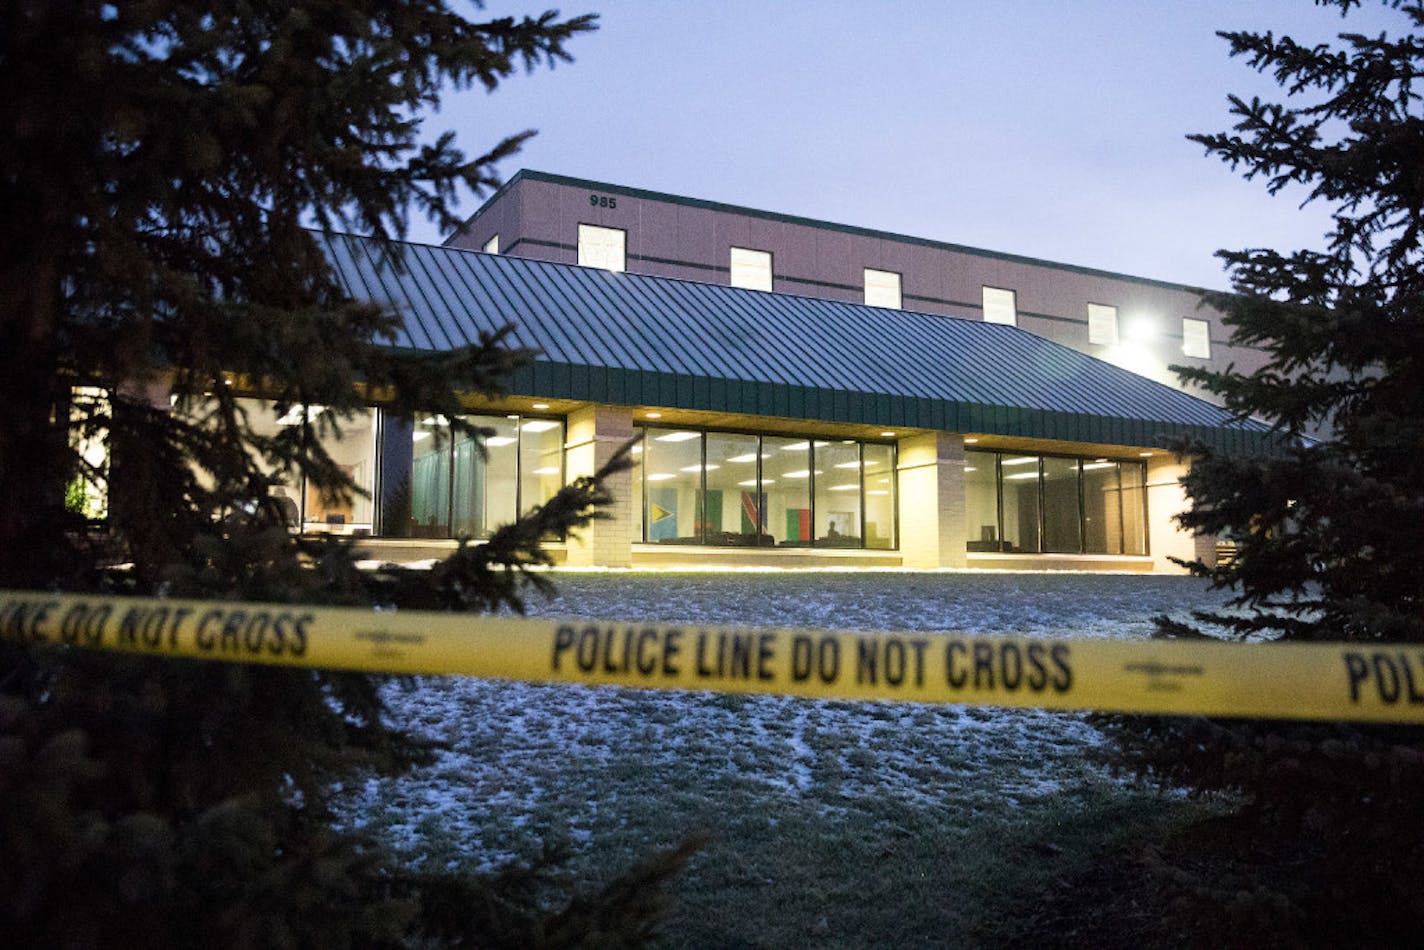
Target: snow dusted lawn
[(828, 819)]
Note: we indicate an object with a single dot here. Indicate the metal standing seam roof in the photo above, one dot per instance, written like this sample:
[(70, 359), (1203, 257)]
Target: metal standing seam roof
[(634, 339)]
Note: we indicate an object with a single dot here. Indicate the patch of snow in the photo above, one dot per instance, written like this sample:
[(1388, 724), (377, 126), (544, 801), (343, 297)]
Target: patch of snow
[(527, 761)]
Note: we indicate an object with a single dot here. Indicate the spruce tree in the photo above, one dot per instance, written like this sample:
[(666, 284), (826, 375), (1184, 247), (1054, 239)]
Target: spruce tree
[(161, 165), (1326, 530)]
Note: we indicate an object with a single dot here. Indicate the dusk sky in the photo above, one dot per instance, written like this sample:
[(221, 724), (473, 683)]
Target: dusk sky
[(1048, 128)]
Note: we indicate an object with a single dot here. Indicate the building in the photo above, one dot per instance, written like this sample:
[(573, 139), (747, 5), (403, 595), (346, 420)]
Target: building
[(896, 423), (1140, 324)]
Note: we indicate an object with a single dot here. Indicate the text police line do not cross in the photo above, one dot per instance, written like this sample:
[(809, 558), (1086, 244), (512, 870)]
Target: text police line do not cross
[(658, 652), (1299, 681)]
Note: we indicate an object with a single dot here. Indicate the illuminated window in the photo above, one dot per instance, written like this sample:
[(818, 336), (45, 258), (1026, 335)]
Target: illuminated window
[(1000, 306), (1196, 338), (1030, 504), (728, 488), (751, 269), (468, 485), (1102, 324), (882, 288), (602, 247), (303, 505), (88, 493)]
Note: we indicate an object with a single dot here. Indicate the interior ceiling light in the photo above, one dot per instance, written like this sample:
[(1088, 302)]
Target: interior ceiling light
[(496, 441), (660, 476), (1032, 459), (293, 415), (971, 441), (547, 470), (541, 405), (697, 468), (539, 425), (845, 488), (847, 465), (748, 457), (677, 436), (887, 435), (652, 415)]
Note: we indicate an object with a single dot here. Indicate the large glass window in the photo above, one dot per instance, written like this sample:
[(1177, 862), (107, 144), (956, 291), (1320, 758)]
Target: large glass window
[(879, 481), (672, 461), (637, 476), (733, 488), (354, 451), (1102, 507), (981, 501), (1062, 521), (88, 493), (430, 479), (838, 492), (1052, 504), (1134, 507), (1019, 475), (541, 460), (786, 484), (732, 503), (464, 485)]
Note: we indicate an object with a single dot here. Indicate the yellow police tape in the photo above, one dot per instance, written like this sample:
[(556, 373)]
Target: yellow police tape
[(1291, 681)]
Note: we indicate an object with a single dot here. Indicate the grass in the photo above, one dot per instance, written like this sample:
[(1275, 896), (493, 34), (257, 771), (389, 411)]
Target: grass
[(829, 823)]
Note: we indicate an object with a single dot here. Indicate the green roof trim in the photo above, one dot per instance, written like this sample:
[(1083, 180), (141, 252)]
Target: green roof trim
[(632, 339)]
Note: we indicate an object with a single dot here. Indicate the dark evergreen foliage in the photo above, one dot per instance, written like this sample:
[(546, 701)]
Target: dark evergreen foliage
[(1328, 531), (1327, 847), (161, 163)]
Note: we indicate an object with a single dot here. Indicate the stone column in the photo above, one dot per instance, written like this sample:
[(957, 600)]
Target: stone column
[(931, 470), (594, 434)]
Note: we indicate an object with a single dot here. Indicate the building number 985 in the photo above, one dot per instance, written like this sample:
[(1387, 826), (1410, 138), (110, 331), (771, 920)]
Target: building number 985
[(602, 201)]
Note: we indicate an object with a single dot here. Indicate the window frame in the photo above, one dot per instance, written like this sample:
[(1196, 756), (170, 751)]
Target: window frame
[(644, 431), (899, 303), (1205, 338), (1082, 508), (1098, 314), (1013, 304), (579, 247), (732, 267)]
